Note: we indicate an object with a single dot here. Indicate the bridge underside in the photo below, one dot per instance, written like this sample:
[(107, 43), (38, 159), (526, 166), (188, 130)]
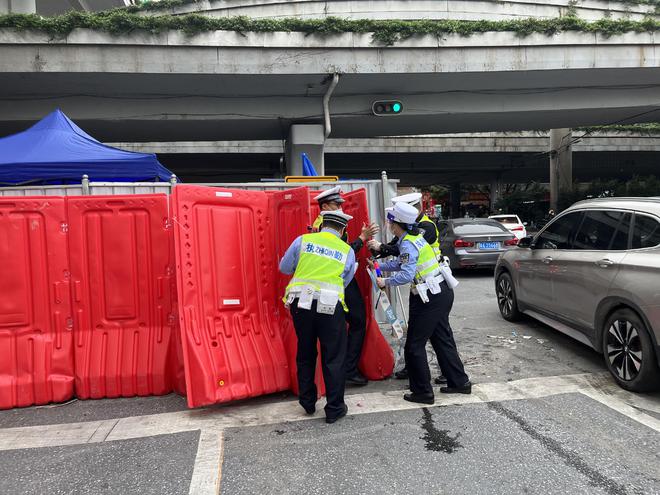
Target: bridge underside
[(418, 168), (133, 107)]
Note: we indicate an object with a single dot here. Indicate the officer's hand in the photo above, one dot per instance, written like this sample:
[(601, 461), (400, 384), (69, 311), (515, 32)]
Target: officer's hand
[(373, 229), (374, 245), (371, 264), (381, 282)]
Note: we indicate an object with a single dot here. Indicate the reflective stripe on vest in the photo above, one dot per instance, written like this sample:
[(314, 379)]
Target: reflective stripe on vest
[(436, 245), (427, 263), (323, 258)]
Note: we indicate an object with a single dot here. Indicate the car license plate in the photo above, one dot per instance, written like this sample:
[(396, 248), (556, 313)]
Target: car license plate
[(489, 245)]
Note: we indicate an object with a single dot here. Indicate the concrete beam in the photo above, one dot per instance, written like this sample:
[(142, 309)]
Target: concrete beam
[(486, 142), (416, 9), (137, 87), (561, 165)]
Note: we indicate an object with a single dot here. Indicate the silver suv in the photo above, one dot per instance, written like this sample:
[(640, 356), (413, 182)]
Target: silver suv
[(593, 273)]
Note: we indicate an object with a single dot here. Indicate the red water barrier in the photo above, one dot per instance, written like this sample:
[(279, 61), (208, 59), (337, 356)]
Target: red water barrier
[(36, 358), (377, 359), (232, 343), (122, 277)]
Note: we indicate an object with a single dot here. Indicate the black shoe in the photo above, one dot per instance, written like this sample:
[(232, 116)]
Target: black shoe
[(309, 409), (420, 398), (335, 418), (465, 389), (441, 380), (401, 374), (357, 380)]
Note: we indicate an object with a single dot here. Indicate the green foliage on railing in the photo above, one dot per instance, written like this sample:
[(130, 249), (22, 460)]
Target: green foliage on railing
[(387, 32), (650, 128)]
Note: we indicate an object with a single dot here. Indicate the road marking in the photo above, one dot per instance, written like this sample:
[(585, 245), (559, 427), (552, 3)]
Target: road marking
[(623, 408), (208, 463), (213, 421)]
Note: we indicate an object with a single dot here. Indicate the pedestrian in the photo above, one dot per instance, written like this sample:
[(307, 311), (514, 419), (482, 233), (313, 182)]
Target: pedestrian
[(432, 237), (322, 266), (431, 301), (356, 317)]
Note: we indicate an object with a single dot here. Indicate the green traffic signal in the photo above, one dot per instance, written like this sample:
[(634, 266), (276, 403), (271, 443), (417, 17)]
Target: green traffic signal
[(384, 108)]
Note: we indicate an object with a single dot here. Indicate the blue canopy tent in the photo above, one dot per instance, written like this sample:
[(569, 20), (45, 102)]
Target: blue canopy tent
[(57, 151)]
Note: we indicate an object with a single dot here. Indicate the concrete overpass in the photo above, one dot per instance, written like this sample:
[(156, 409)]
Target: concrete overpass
[(300, 87), (482, 158), (414, 9)]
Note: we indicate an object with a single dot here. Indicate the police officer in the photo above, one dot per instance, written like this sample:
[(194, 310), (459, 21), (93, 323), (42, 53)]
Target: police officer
[(432, 237), (431, 301), (356, 317), (322, 266)]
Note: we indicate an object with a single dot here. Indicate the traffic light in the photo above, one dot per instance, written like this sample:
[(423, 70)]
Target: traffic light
[(386, 108)]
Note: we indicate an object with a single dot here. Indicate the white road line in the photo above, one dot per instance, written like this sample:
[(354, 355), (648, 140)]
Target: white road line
[(212, 421), (208, 463), (219, 418), (623, 408)]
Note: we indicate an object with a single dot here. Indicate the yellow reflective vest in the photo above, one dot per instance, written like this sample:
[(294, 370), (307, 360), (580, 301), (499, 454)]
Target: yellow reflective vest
[(322, 260)]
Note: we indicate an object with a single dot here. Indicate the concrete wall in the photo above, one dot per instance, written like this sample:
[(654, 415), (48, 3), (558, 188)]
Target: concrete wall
[(416, 9)]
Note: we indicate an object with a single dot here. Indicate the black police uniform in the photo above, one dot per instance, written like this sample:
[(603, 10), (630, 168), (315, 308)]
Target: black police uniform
[(431, 321), (430, 234), (356, 318)]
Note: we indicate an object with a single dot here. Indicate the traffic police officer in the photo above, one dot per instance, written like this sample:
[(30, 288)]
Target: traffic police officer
[(431, 301), (356, 317), (432, 237), (322, 266)]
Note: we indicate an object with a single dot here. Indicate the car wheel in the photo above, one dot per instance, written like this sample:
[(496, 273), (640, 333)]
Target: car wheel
[(629, 353), (506, 297)]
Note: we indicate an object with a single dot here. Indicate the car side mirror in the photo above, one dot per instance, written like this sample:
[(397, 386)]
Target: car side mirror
[(525, 224), (525, 242)]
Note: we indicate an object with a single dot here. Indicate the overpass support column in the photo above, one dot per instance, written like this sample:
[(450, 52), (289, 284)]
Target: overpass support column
[(495, 192), (561, 165), (455, 200), (308, 139), (18, 6)]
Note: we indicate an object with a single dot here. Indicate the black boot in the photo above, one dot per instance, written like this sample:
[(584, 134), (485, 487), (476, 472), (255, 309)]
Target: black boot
[(419, 398), (357, 380), (441, 380), (465, 389), (401, 374)]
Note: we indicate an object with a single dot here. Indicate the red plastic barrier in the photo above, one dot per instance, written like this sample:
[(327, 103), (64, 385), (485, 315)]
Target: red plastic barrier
[(377, 359), (36, 356), (291, 213), (225, 260), (122, 269)]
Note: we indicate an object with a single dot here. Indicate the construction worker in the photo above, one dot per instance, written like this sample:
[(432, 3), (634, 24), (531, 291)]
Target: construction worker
[(431, 300), (322, 266), (356, 317), (432, 237)]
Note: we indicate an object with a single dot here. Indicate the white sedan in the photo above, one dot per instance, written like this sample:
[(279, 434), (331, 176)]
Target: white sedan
[(512, 223)]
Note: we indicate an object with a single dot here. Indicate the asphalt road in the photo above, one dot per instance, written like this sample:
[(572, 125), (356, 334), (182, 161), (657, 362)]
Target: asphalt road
[(544, 418)]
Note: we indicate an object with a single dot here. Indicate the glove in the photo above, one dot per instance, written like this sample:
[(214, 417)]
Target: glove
[(374, 245)]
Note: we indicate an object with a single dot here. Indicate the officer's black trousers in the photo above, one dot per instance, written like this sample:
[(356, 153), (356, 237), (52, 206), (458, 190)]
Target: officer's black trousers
[(357, 326), (426, 321), (330, 331)]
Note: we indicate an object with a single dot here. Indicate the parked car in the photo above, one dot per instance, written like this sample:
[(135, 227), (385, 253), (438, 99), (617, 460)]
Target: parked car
[(593, 273), (512, 223), (474, 242)]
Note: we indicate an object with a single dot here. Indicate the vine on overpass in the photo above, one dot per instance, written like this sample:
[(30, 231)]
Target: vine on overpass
[(648, 129), (387, 32)]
